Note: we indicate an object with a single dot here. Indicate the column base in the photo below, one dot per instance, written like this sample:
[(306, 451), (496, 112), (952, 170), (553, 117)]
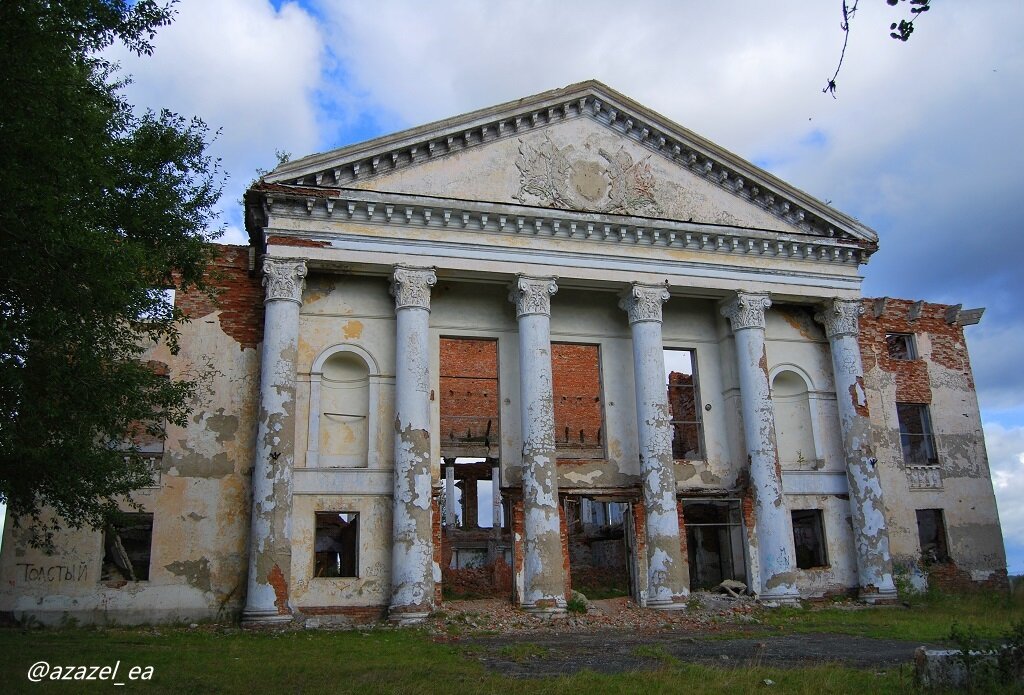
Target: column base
[(676, 603), (260, 618), (774, 600), (545, 608), (404, 615), (875, 597)]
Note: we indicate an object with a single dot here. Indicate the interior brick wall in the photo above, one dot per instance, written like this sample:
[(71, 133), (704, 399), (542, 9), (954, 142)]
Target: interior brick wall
[(576, 382)]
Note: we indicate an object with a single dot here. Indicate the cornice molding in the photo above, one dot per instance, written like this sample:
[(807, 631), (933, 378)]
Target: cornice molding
[(373, 207), (343, 167)]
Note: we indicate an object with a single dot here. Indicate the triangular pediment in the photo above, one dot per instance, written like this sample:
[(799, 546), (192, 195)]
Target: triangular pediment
[(584, 148)]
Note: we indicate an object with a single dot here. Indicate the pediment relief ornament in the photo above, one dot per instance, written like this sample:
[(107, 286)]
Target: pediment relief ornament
[(570, 179), (282, 278)]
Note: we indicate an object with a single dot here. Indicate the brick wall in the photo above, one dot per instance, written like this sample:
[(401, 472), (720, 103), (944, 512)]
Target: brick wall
[(238, 296), (576, 382), (469, 391)]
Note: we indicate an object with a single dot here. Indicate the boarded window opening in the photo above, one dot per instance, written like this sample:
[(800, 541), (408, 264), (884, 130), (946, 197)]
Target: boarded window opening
[(469, 397), (337, 544), (809, 539), (714, 542), (900, 346), (127, 545), (931, 532), (684, 404), (579, 409), (916, 434)]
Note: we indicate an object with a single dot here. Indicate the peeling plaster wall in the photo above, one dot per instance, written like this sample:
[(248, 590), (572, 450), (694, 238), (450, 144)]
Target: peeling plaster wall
[(941, 378), (201, 506)]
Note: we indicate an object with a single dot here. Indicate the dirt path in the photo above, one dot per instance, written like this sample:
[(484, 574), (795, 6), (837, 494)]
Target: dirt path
[(523, 656)]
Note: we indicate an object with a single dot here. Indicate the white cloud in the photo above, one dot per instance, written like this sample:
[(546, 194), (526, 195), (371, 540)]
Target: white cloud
[(245, 69), (1005, 447)]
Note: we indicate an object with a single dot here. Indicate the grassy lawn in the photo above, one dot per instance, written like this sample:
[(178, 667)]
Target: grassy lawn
[(928, 618), (229, 660)]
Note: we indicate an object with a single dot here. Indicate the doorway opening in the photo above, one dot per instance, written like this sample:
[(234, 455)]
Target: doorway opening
[(598, 546), (714, 542)]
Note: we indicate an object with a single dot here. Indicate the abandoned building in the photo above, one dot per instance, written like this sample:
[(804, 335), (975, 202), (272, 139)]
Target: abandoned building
[(561, 343)]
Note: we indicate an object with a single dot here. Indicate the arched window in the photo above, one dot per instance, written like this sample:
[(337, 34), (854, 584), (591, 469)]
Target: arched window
[(342, 395), (794, 427)]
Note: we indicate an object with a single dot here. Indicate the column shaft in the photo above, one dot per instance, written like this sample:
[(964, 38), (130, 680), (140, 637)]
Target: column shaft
[(775, 553), (412, 555), (666, 583), (870, 531), (544, 574), (269, 539)]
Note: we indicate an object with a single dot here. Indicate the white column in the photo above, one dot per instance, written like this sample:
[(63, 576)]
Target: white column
[(269, 536), (776, 556), (666, 582), (870, 531), (496, 499), (412, 554), (544, 574), (449, 494)]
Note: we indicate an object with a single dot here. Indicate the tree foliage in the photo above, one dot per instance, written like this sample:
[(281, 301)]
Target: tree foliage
[(102, 206), (900, 31)]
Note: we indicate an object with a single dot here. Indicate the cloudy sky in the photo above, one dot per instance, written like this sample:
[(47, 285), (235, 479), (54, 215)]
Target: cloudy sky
[(924, 143)]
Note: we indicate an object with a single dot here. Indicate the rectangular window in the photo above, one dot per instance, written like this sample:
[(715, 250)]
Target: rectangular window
[(127, 544), (931, 532), (684, 404), (809, 539), (579, 411), (901, 346), (714, 542), (469, 397), (337, 544), (916, 434)]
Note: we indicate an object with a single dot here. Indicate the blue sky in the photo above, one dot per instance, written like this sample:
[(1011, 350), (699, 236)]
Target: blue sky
[(924, 143)]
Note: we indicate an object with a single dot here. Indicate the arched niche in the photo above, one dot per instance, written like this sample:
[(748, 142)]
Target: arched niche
[(795, 429), (343, 396)]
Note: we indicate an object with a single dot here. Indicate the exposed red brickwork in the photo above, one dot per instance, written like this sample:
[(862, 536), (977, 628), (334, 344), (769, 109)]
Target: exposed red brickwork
[(292, 241), (640, 529), (948, 577), (682, 530), (576, 382), (469, 392), (276, 579), (358, 614), (239, 296), (947, 346), (435, 529), (517, 542)]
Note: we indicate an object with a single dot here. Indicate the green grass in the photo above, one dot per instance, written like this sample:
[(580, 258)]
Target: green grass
[(927, 619)]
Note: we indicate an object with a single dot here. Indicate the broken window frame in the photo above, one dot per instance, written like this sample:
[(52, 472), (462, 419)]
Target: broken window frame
[(134, 558), (909, 341), (698, 421), (933, 551), (913, 439), (321, 556), (812, 523)]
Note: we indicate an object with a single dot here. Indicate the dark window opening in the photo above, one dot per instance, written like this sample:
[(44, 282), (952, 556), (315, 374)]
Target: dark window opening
[(809, 539), (916, 434), (599, 554), (127, 544), (684, 404), (901, 346), (579, 410), (714, 542), (337, 544), (931, 532)]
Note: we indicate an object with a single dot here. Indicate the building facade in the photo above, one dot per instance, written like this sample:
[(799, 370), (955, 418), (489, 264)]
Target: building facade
[(561, 343)]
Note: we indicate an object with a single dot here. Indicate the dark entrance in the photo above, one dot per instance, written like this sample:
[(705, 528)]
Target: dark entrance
[(714, 541)]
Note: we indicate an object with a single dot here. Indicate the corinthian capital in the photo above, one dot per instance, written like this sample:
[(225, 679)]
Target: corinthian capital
[(643, 302), (746, 310), (841, 317), (283, 279), (410, 286), (532, 295)]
